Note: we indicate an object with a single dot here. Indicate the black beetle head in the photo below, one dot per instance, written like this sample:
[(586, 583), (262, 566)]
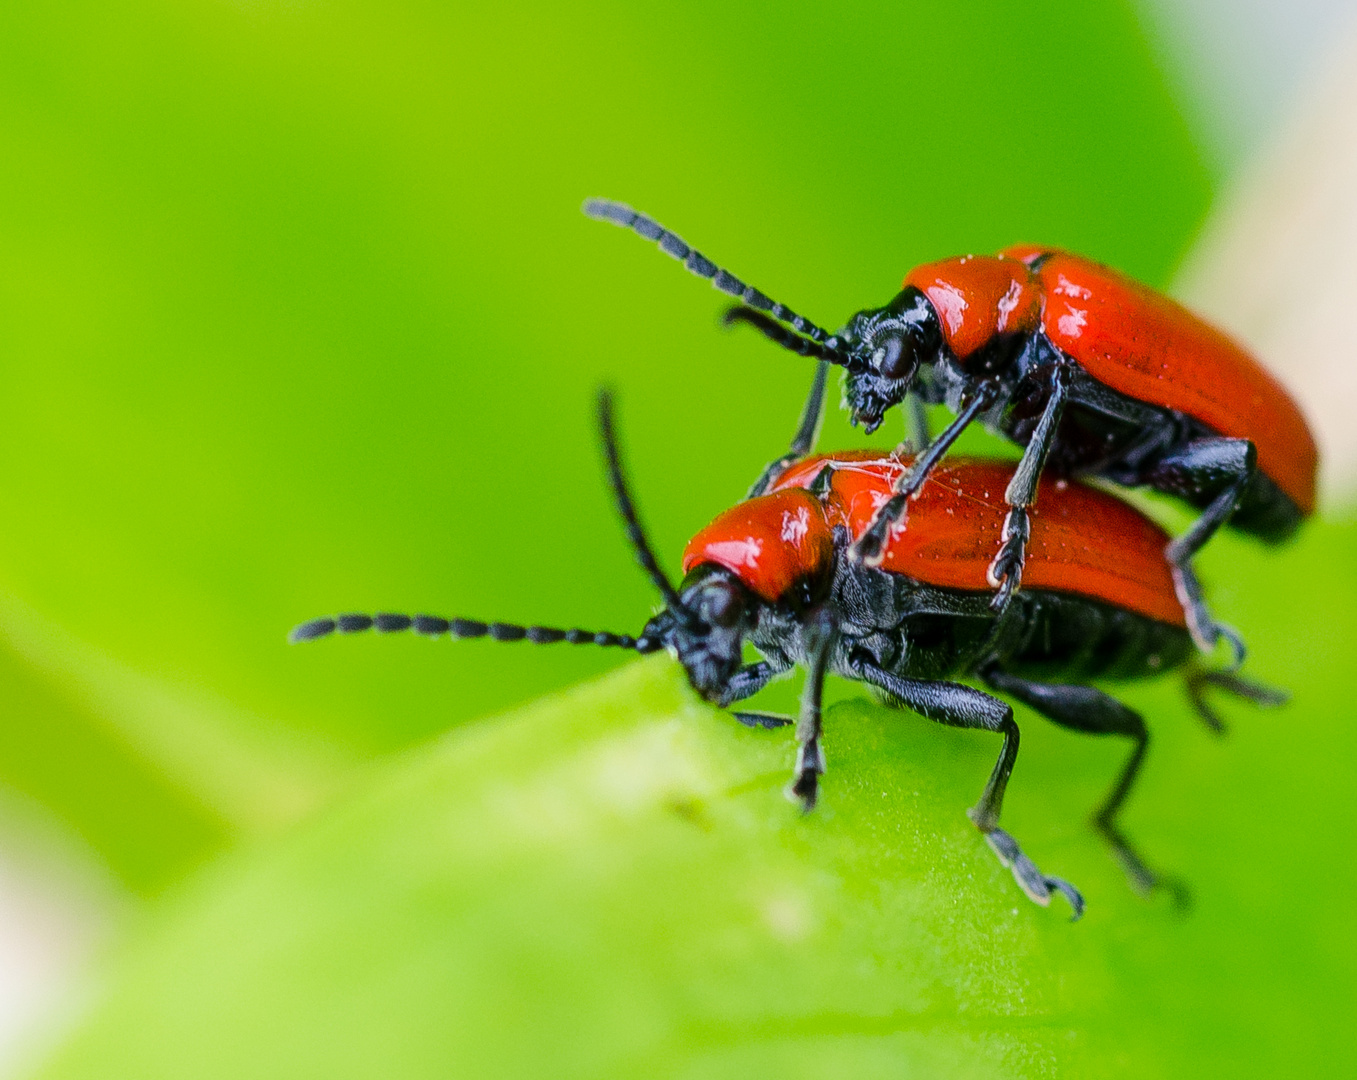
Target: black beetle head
[(708, 633), (887, 346)]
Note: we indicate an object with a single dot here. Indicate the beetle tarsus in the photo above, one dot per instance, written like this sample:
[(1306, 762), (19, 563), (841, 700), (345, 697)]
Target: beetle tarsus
[(766, 720), (805, 786), (1005, 572), (1206, 632), (1142, 879), (1039, 887), (1198, 678), (870, 549)]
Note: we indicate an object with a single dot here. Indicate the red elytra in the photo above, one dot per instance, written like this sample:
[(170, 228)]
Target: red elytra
[(1083, 541), (1130, 338)]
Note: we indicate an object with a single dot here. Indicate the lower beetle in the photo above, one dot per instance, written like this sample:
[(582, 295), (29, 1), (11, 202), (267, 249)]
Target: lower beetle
[(1090, 372), (1099, 602)]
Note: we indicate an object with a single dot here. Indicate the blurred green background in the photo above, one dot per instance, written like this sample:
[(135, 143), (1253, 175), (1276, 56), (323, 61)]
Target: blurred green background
[(299, 314)]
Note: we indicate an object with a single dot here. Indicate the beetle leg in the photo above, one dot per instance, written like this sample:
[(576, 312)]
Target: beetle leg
[(819, 633), (871, 545), (747, 682), (1028, 875), (1005, 572), (961, 706), (766, 720), (1204, 463), (1082, 708), (919, 434), (806, 433), (1198, 679)]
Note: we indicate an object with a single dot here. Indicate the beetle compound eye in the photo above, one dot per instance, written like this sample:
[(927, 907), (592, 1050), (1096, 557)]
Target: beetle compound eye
[(893, 359), (721, 607)]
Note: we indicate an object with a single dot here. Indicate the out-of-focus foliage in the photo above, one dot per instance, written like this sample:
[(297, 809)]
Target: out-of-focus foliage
[(609, 883), (299, 314)]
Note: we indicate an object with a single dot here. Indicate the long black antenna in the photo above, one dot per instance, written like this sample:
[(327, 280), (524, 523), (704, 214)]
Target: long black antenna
[(780, 335), (671, 244), (627, 509), (435, 626)]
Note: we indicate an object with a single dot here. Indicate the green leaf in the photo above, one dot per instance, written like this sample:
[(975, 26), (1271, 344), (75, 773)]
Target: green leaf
[(300, 315), (610, 882)]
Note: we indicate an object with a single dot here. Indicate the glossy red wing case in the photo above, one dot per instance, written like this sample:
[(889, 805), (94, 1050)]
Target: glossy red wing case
[(1146, 346), (1083, 540)]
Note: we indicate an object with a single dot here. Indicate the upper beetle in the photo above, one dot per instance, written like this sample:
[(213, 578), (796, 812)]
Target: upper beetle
[(1091, 372), (772, 572)]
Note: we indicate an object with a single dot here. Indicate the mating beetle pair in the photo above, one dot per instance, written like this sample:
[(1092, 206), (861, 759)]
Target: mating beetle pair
[(1092, 373), (773, 571)]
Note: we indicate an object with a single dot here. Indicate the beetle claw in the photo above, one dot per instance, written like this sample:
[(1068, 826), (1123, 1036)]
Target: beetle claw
[(1207, 634), (869, 549), (805, 786), (1039, 887), (1146, 882), (1005, 572), (804, 790)]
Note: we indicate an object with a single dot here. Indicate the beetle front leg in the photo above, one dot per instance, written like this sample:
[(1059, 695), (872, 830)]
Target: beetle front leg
[(747, 682), (1202, 465), (870, 547), (964, 707), (919, 433), (806, 433), (1005, 572), (819, 634)]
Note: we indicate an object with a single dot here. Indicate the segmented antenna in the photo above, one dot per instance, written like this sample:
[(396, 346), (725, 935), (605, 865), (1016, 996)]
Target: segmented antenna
[(625, 507), (435, 626), (650, 229), (780, 335)]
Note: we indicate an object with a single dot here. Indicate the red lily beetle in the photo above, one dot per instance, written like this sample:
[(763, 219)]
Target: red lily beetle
[(773, 571), (1091, 372)]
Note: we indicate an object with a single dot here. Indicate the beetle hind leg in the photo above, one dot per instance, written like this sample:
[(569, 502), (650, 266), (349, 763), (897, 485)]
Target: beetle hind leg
[(1205, 630), (1083, 708), (964, 707), (1226, 466), (1142, 879), (1039, 887), (1199, 678)]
